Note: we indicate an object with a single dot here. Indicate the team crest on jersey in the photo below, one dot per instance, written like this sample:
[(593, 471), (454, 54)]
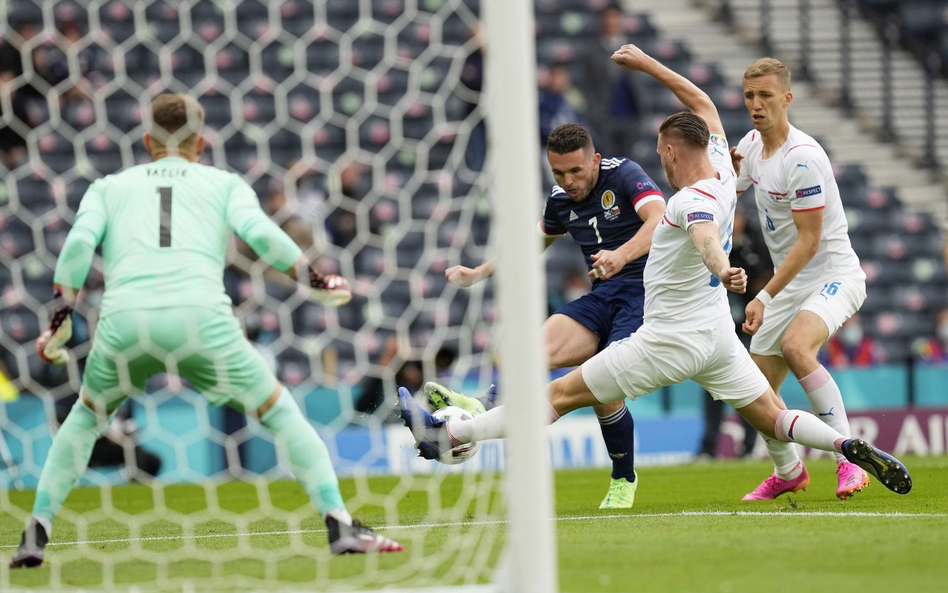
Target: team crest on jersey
[(608, 199)]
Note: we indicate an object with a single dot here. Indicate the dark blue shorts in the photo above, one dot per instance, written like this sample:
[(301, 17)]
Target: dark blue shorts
[(612, 311)]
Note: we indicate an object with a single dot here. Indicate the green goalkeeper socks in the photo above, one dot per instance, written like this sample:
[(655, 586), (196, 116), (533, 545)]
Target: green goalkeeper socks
[(308, 456), (68, 458), (307, 453)]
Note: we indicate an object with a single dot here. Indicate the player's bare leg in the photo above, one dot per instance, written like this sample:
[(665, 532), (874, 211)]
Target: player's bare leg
[(570, 343), (800, 345), (571, 393), (768, 415), (434, 435), (790, 473)]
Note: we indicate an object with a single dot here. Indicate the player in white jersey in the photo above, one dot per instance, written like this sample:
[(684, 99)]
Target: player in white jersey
[(688, 332), (817, 284)]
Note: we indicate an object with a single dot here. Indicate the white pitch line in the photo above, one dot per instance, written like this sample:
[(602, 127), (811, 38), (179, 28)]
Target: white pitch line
[(857, 514)]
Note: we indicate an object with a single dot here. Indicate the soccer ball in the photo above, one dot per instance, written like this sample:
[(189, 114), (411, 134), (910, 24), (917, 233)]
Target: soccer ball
[(461, 453)]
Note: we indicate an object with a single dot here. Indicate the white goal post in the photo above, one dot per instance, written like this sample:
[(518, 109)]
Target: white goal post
[(513, 130), (353, 122)]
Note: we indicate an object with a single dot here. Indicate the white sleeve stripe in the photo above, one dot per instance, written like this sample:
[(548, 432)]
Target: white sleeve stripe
[(543, 233), (646, 200), (557, 190)]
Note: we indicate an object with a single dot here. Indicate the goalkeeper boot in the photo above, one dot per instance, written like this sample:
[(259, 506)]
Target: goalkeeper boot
[(878, 463), (431, 434), (440, 396), (357, 539), (621, 494), (33, 542)]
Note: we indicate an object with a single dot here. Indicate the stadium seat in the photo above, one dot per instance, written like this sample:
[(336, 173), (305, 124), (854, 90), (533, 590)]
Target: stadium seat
[(118, 31), (21, 324), (39, 203), (868, 222), (6, 279), (16, 238), (25, 12), (367, 51), (922, 18), (54, 236)]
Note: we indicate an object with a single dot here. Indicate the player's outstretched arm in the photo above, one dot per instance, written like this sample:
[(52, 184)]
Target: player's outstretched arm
[(267, 240), (707, 240), (275, 247), (466, 277), (697, 101)]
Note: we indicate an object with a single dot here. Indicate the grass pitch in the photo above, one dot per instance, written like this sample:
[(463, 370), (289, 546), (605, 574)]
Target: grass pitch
[(688, 533)]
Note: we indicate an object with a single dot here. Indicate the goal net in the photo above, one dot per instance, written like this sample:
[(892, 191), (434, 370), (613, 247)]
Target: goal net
[(361, 126)]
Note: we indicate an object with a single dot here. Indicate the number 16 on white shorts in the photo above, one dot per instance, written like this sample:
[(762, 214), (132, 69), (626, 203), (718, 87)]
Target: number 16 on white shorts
[(834, 301)]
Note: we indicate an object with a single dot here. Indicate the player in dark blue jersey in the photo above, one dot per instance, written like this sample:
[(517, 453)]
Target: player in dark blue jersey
[(610, 207)]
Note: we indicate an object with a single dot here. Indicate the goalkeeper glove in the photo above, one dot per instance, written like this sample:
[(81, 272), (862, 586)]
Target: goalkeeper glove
[(331, 291), (50, 345)]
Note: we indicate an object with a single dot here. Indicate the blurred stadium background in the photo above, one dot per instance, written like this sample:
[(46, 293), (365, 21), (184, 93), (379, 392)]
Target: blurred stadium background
[(360, 126)]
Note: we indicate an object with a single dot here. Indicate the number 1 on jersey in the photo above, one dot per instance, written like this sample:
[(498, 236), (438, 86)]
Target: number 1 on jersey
[(594, 223), (164, 217)]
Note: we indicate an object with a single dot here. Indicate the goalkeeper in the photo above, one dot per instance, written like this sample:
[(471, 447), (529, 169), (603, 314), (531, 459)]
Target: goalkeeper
[(164, 229)]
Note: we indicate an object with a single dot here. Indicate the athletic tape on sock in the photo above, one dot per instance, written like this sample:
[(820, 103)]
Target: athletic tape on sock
[(778, 428), (815, 380)]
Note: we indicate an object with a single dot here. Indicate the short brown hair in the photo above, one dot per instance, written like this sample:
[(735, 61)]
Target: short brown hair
[(765, 66), (176, 120), (569, 138), (686, 128)]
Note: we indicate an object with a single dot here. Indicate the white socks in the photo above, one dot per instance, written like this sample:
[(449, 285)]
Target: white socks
[(489, 425), (802, 427), (827, 402), (786, 458)]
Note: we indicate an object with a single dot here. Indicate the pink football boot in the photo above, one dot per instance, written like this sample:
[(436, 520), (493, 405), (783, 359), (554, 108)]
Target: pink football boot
[(774, 486), (852, 479)]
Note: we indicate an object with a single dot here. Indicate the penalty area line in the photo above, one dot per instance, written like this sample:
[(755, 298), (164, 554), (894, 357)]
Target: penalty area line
[(489, 522)]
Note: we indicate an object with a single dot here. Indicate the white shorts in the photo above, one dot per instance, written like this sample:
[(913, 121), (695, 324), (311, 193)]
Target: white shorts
[(654, 357), (834, 301)]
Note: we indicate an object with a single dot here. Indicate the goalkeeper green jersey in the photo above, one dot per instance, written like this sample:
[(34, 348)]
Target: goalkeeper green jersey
[(164, 228)]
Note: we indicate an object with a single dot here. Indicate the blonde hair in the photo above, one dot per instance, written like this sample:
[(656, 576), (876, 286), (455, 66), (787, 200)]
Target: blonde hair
[(765, 66), (176, 120)]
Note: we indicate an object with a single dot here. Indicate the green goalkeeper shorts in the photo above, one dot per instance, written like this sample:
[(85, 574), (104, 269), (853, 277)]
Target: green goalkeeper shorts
[(207, 347)]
